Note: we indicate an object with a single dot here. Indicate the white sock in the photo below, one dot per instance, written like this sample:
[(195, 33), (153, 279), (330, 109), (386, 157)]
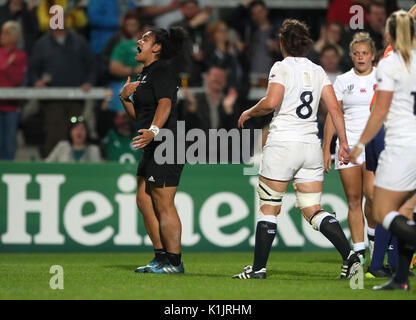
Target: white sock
[(371, 231), (389, 218), (358, 246), (267, 218)]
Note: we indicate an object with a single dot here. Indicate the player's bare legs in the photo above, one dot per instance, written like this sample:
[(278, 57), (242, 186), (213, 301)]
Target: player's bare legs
[(308, 201), (368, 188), (169, 222), (145, 205), (151, 222), (352, 182), (386, 207)]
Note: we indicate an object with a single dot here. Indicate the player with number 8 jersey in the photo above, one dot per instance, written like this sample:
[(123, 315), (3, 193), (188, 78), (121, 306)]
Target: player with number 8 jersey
[(293, 150)]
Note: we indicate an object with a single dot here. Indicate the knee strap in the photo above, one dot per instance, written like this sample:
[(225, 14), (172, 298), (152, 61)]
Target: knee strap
[(269, 196), (307, 199)]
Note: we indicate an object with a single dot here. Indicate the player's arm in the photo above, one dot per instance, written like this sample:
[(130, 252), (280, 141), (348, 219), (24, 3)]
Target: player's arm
[(273, 98), (161, 116), (329, 131), (335, 112), (126, 92), (377, 116)]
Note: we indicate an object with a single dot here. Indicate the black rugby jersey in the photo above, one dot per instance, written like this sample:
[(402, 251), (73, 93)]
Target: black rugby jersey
[(158, 80)]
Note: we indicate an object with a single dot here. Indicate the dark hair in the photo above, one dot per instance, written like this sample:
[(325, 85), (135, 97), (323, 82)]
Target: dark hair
[(255, 3), (75, 121), (329, 47), (172, 41), (132, 14), (375, 4), (295, 37)]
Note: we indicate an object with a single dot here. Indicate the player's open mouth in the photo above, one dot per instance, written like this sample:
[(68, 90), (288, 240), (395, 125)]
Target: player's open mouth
[(139, 50)]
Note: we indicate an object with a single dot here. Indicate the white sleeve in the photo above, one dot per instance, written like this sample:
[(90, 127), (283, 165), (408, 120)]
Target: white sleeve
[(385, 76), (278, 74), (339, 89)]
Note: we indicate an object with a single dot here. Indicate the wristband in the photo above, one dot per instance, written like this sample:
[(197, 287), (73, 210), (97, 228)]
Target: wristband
[(124, 99), (154, 129), (359, 145)]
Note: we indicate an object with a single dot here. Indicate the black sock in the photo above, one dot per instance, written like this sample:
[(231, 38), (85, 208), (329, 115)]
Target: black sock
[(265, 233), (331, 229), (362, 252), (174, 258), (370, 237), (405, 257), (404, 229), (160, 254)]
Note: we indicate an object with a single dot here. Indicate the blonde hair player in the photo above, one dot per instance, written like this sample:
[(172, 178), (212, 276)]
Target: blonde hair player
[(293, 150), (395, 105), (354, 90)]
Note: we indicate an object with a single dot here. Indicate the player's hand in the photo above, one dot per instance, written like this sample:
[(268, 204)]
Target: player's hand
[(354, 154), (143, 139), (343, 154), (327, 160), (243, 118), (129, 88)]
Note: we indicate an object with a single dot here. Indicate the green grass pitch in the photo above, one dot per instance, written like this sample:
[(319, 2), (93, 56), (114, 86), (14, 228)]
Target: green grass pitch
[(294, 275)]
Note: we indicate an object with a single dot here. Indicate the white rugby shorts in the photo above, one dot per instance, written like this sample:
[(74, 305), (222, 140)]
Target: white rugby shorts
[(292, 160), (396, 169)]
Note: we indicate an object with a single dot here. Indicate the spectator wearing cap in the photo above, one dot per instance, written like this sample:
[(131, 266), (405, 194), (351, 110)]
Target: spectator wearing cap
[(24, 14), (77, 147), (13, 65)]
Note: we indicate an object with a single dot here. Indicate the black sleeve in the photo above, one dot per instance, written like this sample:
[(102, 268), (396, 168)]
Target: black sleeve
[(165, 84)]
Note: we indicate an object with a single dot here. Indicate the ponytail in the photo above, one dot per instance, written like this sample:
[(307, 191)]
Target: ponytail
[(401, 28), (172, 41)]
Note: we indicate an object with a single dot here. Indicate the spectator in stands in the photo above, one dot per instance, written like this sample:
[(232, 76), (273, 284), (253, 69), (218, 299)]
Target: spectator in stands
[(24, 14), (77, 147), (376, 23), (117, 144), (104, 17), (123, 64), (13, 65), (212, 109), (61, 59), (130, 27), (339, 10), (75, 17), (162, 12), (329, 60), (331, 33), (258, 32), (194, 22), (224, 48)]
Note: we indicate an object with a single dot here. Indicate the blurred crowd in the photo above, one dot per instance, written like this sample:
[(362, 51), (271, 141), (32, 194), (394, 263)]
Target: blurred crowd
[(230, 51)]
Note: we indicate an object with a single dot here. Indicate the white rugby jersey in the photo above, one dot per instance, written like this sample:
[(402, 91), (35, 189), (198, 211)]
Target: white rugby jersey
[(356, 93), (392, 75), (295, 118)]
